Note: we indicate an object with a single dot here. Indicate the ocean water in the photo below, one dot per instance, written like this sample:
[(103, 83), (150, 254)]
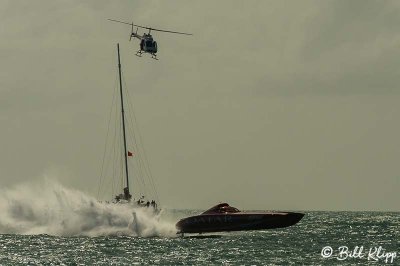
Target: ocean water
[(66, 227)]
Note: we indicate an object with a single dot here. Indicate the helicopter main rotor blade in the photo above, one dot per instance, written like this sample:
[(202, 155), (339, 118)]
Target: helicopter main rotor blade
[(144, 27), (177, 32), (123, 22)]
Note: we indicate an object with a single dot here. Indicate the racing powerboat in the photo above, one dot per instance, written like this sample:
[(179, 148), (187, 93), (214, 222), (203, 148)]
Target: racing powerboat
[(224, 218)]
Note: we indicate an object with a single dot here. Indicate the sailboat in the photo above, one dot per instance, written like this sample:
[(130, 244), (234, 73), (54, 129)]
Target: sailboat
[(125, 196)]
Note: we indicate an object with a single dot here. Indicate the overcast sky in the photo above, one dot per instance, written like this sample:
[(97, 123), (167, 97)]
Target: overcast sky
[(270, 105)]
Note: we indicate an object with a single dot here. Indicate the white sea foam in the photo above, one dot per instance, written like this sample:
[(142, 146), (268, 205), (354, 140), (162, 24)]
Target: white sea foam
[(47, 207)]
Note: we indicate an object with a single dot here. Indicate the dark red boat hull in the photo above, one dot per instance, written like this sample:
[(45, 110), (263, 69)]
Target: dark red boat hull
[(241, 221)]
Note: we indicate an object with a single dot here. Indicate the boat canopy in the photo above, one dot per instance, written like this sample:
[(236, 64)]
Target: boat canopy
[(221, 208)]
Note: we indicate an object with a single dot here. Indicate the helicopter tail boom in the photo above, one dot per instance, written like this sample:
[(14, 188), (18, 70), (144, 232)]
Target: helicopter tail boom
[(135, 35)]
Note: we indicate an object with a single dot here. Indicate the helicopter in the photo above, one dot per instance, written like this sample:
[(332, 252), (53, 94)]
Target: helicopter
[(147, 43)]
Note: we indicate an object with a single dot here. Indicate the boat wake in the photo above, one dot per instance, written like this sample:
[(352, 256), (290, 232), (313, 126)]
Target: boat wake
[(47, 207)]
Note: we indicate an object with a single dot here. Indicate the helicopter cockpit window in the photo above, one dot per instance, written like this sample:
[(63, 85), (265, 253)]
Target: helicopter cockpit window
[(149, 44)]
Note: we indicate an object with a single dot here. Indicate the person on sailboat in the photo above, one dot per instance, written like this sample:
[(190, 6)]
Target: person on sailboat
[(127, 195)]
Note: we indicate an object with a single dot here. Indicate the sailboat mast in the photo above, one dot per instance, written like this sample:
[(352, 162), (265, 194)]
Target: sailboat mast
[(123, 124)]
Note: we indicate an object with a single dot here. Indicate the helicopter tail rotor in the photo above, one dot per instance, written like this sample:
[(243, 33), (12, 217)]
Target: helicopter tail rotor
[(130, 37), (134, 34)]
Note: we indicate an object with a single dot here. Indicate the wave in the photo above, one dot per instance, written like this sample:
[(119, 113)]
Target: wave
[(47, 207)]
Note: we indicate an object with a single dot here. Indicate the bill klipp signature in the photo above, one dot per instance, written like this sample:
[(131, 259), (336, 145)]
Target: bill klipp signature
[(359, 252)]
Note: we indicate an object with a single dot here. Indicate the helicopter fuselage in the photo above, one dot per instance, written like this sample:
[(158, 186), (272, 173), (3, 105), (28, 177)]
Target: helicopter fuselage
[(147, 43)]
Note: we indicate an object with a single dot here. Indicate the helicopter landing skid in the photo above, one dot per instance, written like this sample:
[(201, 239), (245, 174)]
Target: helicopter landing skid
[(154, 56), (140, 52)]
